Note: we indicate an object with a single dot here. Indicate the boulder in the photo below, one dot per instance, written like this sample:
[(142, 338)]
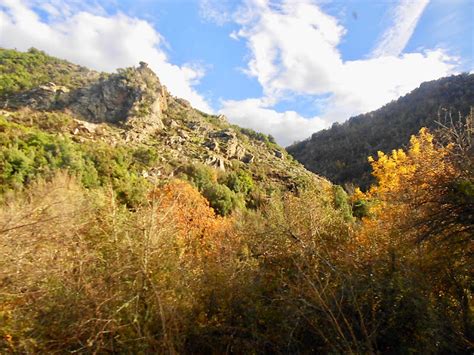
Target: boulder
[(212, 144), (234, 149), (278, 153), (216, 162), (248, 158), (225, 134)]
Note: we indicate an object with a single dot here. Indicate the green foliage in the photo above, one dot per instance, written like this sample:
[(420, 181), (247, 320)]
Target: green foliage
[(224, 195), (341, 202), (222, 199), (27, 153), (360, 208), (199, 175), (145, 156), (239, 182), (464, 189), (267, 139), (46, 121), (23, 71)]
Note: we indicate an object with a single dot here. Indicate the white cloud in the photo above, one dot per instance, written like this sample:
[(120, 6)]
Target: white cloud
[(287, 127), (96, 40), (294, 51), (405, 18), (368, 84), (284, 44), (215, 11)]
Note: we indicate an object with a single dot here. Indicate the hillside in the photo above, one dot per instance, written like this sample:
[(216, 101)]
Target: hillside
[(126, 128), (340, 153), (132, 223)]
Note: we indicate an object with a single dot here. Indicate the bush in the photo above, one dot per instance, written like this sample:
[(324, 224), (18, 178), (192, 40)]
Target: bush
[(221, 198), (199, 175), (239, 182), (22, 71), (28, 153), (341, 202), (361, 208)]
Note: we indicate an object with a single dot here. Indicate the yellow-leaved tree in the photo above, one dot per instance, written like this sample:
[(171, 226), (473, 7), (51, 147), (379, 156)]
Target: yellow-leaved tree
[(408, 184), (420, 215)]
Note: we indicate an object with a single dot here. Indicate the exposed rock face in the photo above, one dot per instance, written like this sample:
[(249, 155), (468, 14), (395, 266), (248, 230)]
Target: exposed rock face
[(225, 134), (86, 127), (235, 149), (216, 162), (278, 153), (133, 97), (248, 158), (226, 142), (106, 101), (213, 145), (43, 97)]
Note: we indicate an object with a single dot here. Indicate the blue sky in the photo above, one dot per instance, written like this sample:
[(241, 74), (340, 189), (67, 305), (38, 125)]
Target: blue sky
[(283, 67)]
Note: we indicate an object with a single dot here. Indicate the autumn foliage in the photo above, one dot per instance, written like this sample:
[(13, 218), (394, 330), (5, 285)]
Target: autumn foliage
[(420, 217), (200, 230), (82, 272)]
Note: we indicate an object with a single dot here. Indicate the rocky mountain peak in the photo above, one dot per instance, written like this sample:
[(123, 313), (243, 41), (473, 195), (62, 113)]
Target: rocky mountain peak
[(131, 110)]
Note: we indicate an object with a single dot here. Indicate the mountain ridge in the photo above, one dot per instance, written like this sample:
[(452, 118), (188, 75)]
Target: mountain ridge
[(132, 110), (340, 152)]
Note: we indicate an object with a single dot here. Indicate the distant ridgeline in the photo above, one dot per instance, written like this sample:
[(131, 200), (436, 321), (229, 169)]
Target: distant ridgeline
[(340, 153)]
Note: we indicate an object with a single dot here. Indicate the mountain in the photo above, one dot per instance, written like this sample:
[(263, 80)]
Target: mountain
[(340, 153), (131, 222), (125, 128)]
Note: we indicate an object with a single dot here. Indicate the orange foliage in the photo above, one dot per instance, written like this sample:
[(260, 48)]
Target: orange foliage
[(200, 229)]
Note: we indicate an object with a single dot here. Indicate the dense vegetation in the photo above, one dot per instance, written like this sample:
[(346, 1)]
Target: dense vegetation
[(31, 148), (340, 153), (22, 71), (81, 272), (115, 246)]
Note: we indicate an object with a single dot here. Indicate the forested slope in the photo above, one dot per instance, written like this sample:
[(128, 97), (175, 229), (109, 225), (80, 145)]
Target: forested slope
[(340, 153)]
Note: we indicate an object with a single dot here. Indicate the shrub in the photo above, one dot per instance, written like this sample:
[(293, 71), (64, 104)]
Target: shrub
[(341, 202), (199, 175), (221, 198), (239, 182)]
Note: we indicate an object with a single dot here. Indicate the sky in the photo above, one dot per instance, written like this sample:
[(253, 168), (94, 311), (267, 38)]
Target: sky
[(282, 67)]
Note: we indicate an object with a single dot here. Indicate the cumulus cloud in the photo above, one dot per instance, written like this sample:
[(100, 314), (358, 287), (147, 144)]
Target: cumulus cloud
[(287, 127), (94, 39), (294, 51)]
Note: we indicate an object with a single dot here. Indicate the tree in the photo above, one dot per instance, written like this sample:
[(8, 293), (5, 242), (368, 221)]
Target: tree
[(201, 230), (421, 217)]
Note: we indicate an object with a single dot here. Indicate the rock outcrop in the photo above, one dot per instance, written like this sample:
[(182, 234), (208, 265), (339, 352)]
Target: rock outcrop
[(133, 97), (131, 109), (226, 143)]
